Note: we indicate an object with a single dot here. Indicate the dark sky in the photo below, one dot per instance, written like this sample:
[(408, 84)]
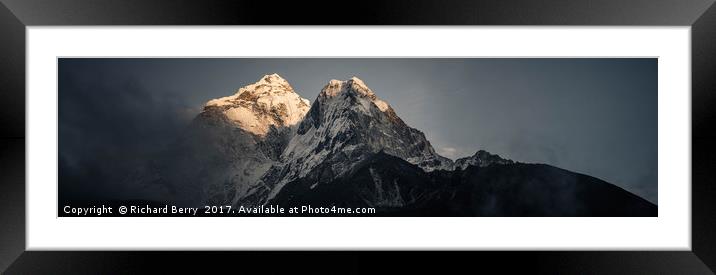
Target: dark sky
[(594, 116)]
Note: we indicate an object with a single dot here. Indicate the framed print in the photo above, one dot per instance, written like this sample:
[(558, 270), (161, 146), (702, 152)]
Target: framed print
[(265, 150), (573, 137)]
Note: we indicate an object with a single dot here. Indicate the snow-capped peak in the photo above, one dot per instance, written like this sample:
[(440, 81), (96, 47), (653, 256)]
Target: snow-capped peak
[(353, 86), (346, 125), (268, 84), (271, 101)]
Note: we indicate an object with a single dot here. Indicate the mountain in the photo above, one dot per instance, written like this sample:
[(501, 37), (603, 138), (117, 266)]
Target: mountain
[(266, 145), (346, 124)]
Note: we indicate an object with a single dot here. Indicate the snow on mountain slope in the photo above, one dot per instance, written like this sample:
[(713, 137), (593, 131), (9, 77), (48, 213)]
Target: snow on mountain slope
[(269, 102), (346, 124)]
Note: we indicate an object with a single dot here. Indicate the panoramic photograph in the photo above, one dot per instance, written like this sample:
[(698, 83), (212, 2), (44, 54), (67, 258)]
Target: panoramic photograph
[(363, 137)]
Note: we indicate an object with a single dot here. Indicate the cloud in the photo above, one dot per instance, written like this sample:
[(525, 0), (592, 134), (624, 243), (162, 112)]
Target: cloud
[(449, 152), (108, 125)]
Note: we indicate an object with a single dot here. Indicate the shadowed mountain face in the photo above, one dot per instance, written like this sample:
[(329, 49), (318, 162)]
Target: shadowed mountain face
[(398, 188), (264, 145)]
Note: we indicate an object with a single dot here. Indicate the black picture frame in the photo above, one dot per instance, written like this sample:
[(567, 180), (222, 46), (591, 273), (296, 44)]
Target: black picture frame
[(15, 15)]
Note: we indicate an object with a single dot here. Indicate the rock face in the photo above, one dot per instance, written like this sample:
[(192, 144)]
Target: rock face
[(265, 144), (230, 144), (256, 108), (347, 124)]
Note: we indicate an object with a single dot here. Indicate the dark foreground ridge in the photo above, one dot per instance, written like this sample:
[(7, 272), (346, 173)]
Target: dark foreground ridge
[(397, 188)]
